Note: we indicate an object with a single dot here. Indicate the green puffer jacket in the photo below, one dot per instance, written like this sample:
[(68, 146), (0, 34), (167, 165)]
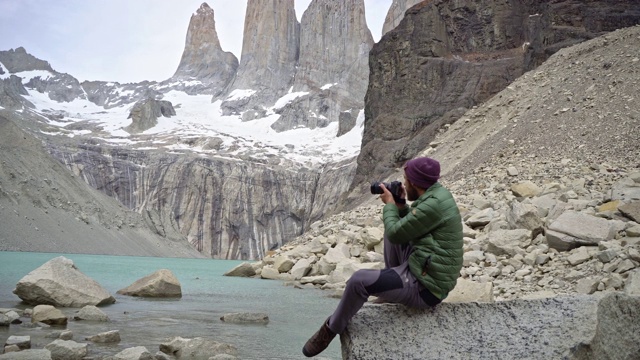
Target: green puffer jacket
[(432, 225)]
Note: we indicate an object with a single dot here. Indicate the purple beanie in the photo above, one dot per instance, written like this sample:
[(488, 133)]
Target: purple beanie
[(422, 172)]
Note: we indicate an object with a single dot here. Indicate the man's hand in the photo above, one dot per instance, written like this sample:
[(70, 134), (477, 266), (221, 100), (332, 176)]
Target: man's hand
[(387, 197)]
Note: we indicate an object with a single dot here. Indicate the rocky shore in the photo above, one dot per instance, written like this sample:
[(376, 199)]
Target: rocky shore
[(576, 231)]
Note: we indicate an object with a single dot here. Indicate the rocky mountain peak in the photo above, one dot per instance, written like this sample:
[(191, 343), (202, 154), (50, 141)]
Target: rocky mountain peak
[(269, 55), (333, 65), (19, 60), (396, 13), (203, 58)]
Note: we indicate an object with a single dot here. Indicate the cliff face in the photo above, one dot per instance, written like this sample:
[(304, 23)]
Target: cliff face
[(332, 70), (447, 56), (203, 59), (396, 13), (228, 209), (270, 47)]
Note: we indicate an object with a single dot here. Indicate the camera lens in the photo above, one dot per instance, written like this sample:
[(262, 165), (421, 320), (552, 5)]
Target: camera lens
[(375, 188)]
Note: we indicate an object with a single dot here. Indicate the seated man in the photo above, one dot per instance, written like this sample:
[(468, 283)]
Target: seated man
[(422, 252)]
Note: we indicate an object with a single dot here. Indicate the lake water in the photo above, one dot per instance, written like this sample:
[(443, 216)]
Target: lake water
[(294, 314)]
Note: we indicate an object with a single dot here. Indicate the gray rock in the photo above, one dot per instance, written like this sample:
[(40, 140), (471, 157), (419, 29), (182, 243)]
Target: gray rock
[(67, 350), (587, 229), (162, 284), (617, 331), (91, 313), (525, 189), (145, 114), (301, 269), (371, 237), (22, 342), (39, 354), (4, 320), (579, 256), (243, 270), (632, 284), (510, 242), (524, 216), (196, 348), (283, 264), (631, 210), (107, 337), (560, 323), (49, 315), (60, 283), (470, 291), (626, 190), (481, 218), (587, 285), (246, 318), (270, 273), (133, 353)]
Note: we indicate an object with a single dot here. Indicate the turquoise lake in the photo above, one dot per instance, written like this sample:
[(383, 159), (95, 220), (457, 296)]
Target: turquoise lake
[(294, 314)]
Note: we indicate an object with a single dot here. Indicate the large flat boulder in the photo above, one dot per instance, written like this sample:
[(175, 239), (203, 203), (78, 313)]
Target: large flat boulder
[(162, 284), (58, 282), (552, 328)]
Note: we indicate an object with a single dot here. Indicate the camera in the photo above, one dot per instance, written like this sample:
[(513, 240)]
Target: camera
[(394, 187)]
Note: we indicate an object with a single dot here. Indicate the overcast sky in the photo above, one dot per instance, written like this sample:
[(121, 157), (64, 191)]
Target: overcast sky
[(127, 40)]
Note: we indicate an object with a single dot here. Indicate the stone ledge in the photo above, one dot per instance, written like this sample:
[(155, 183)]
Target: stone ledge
[(553, 328)]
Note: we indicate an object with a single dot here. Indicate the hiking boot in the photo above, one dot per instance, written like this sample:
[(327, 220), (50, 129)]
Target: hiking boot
[(319, 341)]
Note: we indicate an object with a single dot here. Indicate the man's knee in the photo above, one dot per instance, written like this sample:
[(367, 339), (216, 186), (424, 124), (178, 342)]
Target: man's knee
[(387, 280)]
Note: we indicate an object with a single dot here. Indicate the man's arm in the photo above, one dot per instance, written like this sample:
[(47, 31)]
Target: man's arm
[(419, 221)]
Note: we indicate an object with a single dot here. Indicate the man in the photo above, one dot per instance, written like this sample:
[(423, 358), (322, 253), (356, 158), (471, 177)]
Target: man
[(422, 252)]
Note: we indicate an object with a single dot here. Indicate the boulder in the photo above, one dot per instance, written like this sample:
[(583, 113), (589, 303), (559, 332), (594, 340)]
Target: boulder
[(481, 218), (301, 268), (244, 318), (58, 282), (470, 291), (549, 328), (32, 354), (91, 313), (371, 237), (134, 353), (336, 254), (617, 334), (243, 270), (67, 350), (160, 284), (107, 337), (22, 342), (49, 315), (573, 228), (631, 210), (196, 348), (509, 242), (525, 189)]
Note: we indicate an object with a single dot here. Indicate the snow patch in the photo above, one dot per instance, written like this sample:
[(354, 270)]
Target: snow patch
[(240, 94), (283, 101)]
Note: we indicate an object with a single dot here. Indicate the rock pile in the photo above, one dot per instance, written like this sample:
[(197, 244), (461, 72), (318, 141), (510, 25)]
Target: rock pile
[(574, 231)]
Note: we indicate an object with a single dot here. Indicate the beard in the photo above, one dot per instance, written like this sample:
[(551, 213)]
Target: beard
[(412, 193)]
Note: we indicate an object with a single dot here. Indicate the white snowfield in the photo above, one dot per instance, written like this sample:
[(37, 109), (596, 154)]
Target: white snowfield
[(197, 120)]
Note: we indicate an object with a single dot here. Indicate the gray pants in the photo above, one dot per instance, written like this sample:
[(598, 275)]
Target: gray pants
[(394, 284)]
